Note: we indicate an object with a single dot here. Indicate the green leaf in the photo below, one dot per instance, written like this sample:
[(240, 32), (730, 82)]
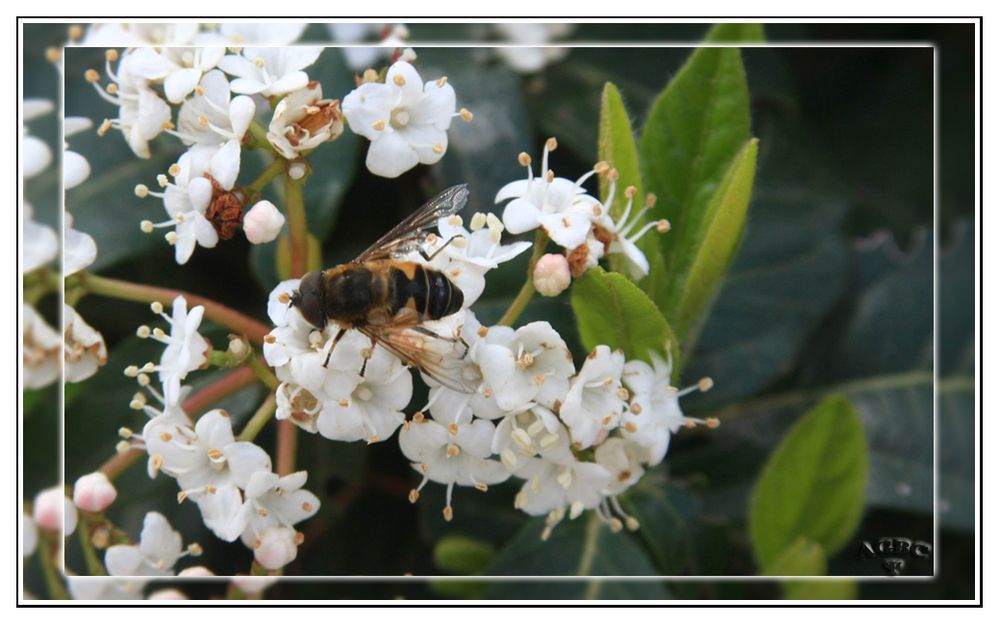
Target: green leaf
[(806, 558), (720, 239), (802, 558), (735, 33), (792, 267), (611, 310), (583, 546), (695, 129), (664, 513), (461, 554), (813, 486), (616, 146)]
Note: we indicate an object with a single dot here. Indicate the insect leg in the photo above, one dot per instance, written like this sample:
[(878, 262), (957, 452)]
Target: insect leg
[(367, 357), (438, 250), (450, 339), (336, 340)]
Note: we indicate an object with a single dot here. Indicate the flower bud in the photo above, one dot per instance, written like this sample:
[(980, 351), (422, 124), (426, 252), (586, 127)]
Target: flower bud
[(263, 222), (94, 492), (49, 508), (275, 547), (551, 275)]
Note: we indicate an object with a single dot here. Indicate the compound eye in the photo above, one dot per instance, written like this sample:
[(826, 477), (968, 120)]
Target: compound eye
[(310, 300)]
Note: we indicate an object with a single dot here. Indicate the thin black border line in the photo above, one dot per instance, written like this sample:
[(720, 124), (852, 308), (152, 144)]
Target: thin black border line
[(977, 20)]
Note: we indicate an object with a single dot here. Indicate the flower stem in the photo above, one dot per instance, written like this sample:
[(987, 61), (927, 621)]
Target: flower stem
[(220, 389), (259, 136), (259, 419), (528, 289), (219, 313), (94, 566), (286, 447), (263, 373), (272, 171), (47, 553), (298, 228)]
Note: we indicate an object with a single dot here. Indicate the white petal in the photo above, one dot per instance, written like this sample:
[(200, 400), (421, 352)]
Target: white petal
[(180, 83), (75, 169), (390, 155)]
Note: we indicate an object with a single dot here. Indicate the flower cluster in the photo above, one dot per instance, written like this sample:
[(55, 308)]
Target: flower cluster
[(82, 346), (230, 480), (515, 404), (576, 221)]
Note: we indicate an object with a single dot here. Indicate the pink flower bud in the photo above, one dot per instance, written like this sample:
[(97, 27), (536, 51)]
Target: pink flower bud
[(50, 506), (275, 547), (551, 275), (263, 222), (94, 492)]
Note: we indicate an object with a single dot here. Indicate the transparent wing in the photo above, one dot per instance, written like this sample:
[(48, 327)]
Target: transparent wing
[(441, 358), (412, 231)]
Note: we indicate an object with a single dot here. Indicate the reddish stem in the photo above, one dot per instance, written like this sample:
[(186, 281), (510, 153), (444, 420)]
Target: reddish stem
[(219, 313)]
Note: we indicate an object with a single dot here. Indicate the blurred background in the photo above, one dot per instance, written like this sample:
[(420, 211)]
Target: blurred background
[(832, 291)]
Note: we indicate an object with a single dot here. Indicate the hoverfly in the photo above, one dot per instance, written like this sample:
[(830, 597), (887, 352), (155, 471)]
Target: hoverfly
[(387, 298)]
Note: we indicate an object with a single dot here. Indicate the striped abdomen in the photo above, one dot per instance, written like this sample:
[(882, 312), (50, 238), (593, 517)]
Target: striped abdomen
[(427, 291)]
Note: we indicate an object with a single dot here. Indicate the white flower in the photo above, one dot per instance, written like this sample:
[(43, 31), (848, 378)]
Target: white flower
[(469, 255), (94, 492), (535, 432), (35, 154), (142, 114), (188, 198), (373, 409), (276, 547), (180, 69), (448, 405), (105, 588), (529, 60), (452, 455), (253, 584), (263, 222), (186, 349), (655, 413), (622, 460), (274, 502), (405, 119), (116, 34), (620, 237), (527, 365), (195, 571), (303, 120), (552, 487), (85, 351), (76, 169), (210, 466), (345, 405), (52, 511), (42, 346), (79, 248), (364, 55), (551, 275), (29, 536), (158, 550), (596, 399), (269, 71), (262, 33), (560, 206), (211, 117), (41, 245)]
